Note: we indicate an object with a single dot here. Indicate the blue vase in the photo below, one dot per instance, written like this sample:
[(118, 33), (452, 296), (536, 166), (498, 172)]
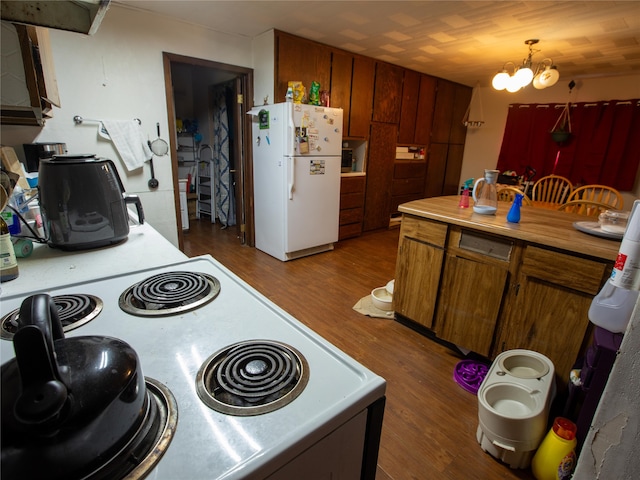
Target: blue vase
[(514, 212)]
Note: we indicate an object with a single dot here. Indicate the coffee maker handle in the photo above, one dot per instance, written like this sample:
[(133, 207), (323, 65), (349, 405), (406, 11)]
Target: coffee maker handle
[(136, 200)]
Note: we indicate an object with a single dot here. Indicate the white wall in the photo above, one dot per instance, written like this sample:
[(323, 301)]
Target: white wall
[(482, 146), (118, 74)]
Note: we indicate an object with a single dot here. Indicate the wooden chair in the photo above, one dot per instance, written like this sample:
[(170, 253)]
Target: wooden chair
[(584, 207), (507, 194), (599, 193), (552, 189)]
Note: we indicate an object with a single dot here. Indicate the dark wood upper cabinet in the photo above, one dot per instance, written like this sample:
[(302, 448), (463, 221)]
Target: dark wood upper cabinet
[(443, 111), (426, 103), (387, 96), (462, 98), (418, 99), (352, 90), (409, 110), (341, 72), (302, 60), (361, 96)]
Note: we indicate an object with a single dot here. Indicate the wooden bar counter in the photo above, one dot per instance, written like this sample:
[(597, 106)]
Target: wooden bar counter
[(487, 285)]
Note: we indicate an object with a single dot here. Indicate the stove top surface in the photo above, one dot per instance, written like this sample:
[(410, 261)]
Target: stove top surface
[(173, 349)]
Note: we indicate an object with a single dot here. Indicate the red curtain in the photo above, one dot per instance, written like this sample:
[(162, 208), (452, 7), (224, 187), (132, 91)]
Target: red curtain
[(604, 146)]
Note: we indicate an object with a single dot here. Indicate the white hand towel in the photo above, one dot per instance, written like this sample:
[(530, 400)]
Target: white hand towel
[(128, 138)]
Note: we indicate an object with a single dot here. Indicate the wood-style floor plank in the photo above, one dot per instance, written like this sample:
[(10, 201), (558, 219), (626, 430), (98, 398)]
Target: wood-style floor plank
[(430, 422)]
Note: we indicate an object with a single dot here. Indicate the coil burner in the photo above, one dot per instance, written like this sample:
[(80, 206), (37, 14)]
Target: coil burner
[(169, 293), (252, 377), (73, 310)]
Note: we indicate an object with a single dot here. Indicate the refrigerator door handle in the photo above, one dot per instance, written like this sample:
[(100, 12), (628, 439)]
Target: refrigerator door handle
[(292, 171)]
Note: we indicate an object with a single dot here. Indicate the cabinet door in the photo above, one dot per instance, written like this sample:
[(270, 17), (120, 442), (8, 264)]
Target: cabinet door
[(341, 71), (469, 303), (443, 111), (408, 113), (300, 59), (361, 96), (461, 100), (451, 184), (382, 151), (418, 267), (436, 168), (550, 306), (387, 96), (424, 114)]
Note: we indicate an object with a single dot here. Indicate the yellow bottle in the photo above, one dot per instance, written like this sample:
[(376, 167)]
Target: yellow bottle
[(555, 458)]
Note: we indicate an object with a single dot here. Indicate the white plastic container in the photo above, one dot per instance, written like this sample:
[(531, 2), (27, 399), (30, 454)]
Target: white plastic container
[(611, 308), (626, 270)]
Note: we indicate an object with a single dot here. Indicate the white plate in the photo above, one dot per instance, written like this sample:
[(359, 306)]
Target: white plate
[(593, 228)]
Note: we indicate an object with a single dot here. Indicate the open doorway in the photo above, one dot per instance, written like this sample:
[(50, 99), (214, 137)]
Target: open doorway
[(208, 131)]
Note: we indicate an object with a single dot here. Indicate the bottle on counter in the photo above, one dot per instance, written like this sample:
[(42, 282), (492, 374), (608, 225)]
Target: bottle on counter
[(514, 212), (8, 263), (464, 196), (555, 458)]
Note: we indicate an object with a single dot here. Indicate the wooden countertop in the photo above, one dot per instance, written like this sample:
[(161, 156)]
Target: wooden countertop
[(537, 225)]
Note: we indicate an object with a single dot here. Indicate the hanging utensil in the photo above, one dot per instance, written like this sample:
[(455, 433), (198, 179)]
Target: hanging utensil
[(160, 148)]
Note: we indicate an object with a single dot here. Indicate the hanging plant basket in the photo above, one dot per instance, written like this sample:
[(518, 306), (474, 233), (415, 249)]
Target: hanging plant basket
[(561, 131), (559, 136)]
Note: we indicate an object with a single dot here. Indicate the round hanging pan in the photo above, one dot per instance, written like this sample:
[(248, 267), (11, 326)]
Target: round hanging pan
[(160, 148)]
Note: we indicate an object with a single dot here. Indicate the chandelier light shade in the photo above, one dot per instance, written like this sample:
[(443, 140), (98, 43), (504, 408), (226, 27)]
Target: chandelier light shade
[(542, 75)]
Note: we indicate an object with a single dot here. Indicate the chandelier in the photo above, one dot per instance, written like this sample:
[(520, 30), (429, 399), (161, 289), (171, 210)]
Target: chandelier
[(543, 75)]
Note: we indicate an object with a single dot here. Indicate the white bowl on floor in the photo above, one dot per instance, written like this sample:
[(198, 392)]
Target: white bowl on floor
[(382, 299)]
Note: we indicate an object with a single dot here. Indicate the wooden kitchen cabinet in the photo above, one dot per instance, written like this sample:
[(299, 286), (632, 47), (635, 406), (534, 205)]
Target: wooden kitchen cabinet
[(448, 136), (361, 96), (299, 59), (418, 268), (408, 181), (351, 205), (472, 290), (382, 150), (387, 95), (29, 87), (418, 99), (550, 304), (352, 90), (489, 286)]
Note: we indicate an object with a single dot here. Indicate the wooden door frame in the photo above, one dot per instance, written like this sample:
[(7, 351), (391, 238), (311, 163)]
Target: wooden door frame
[(244, 133)]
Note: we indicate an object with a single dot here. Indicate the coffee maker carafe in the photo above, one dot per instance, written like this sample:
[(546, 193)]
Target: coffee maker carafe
[(485, 193)]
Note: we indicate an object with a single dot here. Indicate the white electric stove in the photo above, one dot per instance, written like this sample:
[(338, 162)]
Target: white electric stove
[(328, 426)]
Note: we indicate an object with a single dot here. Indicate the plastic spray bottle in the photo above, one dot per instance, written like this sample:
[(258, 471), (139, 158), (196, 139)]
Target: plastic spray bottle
[(514, 212), (464, 197)]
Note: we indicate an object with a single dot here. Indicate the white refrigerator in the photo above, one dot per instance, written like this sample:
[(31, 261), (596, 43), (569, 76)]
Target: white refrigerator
[(297, 152)]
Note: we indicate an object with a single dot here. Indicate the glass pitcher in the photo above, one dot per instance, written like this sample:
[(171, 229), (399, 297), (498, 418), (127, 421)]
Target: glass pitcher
[(485, 193)]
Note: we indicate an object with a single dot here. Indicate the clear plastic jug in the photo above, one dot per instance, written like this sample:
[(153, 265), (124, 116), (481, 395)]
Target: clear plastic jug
[(485, 193)]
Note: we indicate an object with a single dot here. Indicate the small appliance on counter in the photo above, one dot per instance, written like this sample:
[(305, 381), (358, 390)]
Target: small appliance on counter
[(83, 203), (34, 152)]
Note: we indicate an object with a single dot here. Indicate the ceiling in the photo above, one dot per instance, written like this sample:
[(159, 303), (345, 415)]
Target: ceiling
[(462, 41)]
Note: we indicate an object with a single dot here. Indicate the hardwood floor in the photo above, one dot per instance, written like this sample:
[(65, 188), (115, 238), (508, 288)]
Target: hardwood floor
[(430, 422)]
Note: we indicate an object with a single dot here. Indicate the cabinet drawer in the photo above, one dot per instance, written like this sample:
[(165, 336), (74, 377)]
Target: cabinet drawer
[(573, 272), (352, 184), (351, 215), (351, 200), (409, 169), (424, 230)]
